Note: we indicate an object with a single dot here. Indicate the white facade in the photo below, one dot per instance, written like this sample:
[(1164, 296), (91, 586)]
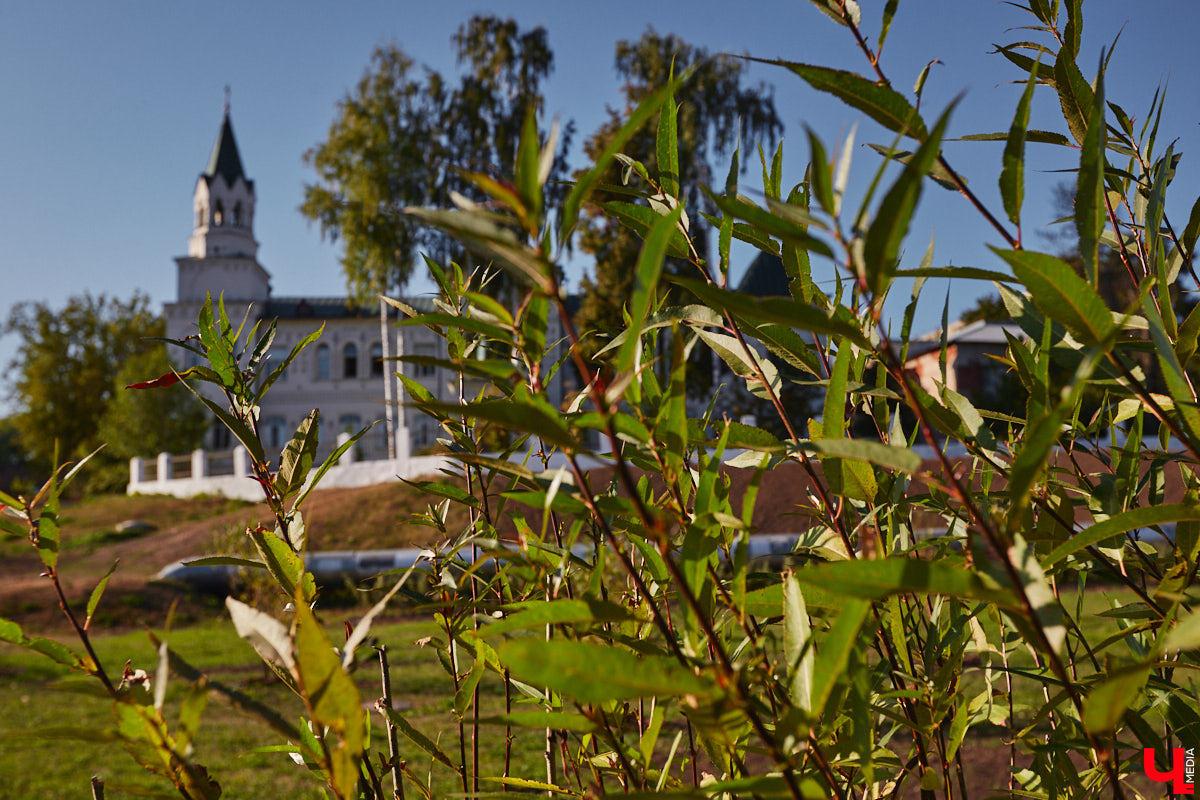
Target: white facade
[(341, 374)]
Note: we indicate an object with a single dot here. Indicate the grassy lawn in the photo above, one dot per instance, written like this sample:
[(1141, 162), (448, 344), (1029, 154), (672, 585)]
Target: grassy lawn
[(36, 694)]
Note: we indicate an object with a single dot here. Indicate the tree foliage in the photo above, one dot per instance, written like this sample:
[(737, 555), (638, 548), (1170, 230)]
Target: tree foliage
[(716, 111), (145, 424), (404, 137), (66, 365)]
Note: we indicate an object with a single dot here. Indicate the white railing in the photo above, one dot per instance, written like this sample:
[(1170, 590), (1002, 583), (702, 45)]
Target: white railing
[(227, 472)]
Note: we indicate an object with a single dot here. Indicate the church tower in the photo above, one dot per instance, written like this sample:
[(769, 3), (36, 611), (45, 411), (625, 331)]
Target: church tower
[(223, 203), (222, 253)]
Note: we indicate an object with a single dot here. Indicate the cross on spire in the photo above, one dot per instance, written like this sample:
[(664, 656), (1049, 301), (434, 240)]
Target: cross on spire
[(227, 92)]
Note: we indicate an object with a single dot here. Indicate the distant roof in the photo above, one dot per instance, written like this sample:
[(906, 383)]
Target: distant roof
[(333, 308), (979, 332), (765, 277), (225, 160)]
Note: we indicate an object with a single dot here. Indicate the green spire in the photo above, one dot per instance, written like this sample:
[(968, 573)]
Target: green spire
[(225, 160)]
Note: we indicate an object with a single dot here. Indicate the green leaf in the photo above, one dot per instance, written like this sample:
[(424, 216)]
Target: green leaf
[(937, 173), (482, 233), (649, 268), (879, 578), (278, 371), (745, 362), (1039, 137), (820, 174), (1131, 520), (1012, 173), (767, 600), (1107, 703), (667, 146), (464, 696), (887, 231), (555, 720), (525, 783), (1178, 383), (797, 645), (267, 635), (416, 737), (888, 456), (297, 457), (643, 219), (1030, 463), (528, 169), (513, 415), (1061, 294), (583, 188), (1184, 636), (1046, 607), (331, 697), (332, 459), (98, 592), (284, 564), (780, 221), (262, 345), (1089, 190), (778, 310), (594, 673), (881, 103), (962, 273), (219, 561), (835, 651), (55, 651), (236, 426), (474, 324), (1074, 94)]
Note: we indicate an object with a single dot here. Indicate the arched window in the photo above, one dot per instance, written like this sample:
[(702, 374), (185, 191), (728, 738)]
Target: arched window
[(322, 362), (201, 216), (219, 213), (237, 213), (377, 360), (350, 360), (274, 431)]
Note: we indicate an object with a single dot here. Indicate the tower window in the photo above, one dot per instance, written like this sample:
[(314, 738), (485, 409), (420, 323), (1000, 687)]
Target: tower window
[(377, 360), (201, 217), (350, 360), (237, 214), (323, 362), (219, 213)]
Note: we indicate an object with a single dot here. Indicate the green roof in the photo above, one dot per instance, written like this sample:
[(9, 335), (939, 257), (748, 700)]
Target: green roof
[(225, 160)]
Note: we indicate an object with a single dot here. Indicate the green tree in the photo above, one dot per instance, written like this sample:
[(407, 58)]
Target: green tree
[(988, 308), (145, 423), (15, 474), (405, 135), (65, 367), (715, 111)]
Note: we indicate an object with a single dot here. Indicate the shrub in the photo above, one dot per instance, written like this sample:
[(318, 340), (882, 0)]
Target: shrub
[(622, 619)]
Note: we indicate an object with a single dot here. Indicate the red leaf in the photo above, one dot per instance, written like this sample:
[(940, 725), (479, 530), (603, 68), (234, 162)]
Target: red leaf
[(164, 380)]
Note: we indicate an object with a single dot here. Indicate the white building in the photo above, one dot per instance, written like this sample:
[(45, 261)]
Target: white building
[(342, 374)]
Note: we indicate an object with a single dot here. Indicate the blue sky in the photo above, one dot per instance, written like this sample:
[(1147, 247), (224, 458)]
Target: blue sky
[(110, 111)]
